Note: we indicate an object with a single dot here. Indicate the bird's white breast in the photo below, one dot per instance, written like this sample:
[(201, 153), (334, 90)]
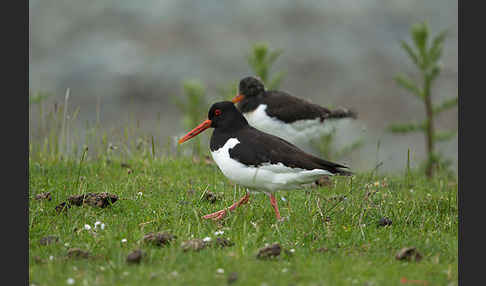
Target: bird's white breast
[(268, 177)]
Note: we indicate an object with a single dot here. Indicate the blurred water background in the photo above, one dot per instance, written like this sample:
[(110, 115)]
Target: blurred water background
[(124, 60)]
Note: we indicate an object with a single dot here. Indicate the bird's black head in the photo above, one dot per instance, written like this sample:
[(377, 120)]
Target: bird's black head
[(249, 87), (224, 115)]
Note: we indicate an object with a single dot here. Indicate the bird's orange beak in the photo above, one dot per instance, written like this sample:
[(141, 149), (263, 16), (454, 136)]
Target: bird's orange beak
[(200, 128), (238, 98)]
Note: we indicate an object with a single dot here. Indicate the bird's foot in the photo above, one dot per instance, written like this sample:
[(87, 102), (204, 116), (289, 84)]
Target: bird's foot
[(222, 213), (216, 216)]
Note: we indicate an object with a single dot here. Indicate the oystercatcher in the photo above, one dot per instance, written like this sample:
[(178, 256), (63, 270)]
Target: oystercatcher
[(281, 114), (256, 160)]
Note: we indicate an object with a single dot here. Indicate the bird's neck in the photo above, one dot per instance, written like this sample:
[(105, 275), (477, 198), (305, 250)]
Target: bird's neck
[(220, 136), (249, 104)]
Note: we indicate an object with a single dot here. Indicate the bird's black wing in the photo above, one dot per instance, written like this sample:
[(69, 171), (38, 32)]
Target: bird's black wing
[(288, 108), (257, 148)]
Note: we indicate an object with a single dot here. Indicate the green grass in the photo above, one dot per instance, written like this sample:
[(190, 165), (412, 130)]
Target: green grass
[(424, 215)]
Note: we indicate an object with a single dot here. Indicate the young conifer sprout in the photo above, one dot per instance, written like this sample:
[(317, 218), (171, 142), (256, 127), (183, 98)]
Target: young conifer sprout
[(426, 56)]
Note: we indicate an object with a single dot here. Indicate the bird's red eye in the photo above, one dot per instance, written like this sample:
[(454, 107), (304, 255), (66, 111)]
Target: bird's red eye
[(217, 112)]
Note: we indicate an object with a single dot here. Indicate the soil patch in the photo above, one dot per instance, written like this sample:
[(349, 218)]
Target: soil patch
[(385, 221), (409, 253), (77, 253), (43, 196), (50, 239), (194, 245), (223, 242), (269, 251), (211, 197), (101, 200), (135, 257), (159, 239)]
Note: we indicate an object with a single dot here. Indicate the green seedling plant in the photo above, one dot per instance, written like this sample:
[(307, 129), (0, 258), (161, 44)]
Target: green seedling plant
[(261, 59), (426, 56)]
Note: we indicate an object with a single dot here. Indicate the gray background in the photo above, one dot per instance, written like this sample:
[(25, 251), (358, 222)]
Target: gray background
[(133, 55)]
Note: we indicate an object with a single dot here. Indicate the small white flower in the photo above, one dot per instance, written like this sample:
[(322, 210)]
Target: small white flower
[(51, 257), (207, 239), (70, 281), (87, 227), (140, 193), (220, 270), (66, 244), (124, 240), (96, 224), (283, 199), (285, 270), (102, 226), (292, 250), (219, 232)]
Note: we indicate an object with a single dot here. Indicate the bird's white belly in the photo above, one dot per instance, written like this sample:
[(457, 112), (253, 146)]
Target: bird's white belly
[(298, 133), (268, 177)]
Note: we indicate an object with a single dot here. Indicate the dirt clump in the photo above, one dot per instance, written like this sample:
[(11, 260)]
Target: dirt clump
[(77, 253), (101, 200), (322, 249), (384, 221), (211, 197), (39, 260), (409, 253), (223, 242), (269, 251), (50, 239), (159, 239), (135, 257), (62, 207), (43, 196), (194, 244)]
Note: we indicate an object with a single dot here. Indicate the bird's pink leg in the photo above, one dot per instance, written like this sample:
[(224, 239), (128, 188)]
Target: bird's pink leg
[(220, 214), (273, 201)]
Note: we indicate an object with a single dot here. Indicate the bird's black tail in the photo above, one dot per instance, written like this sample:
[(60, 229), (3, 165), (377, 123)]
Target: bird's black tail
[(334, 168), (343, 113), (342, 172)]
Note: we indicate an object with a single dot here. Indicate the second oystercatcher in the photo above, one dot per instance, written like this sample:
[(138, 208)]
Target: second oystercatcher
[(257, 160), (281, 114)]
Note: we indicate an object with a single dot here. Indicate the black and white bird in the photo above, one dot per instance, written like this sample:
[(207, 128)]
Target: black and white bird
[(257, 160), (281, 114)]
